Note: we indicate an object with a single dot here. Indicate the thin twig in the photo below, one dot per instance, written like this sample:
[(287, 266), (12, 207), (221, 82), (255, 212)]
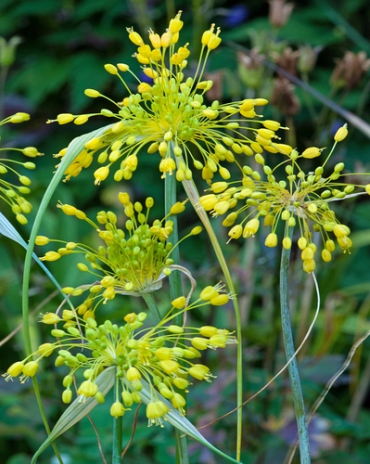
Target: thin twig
[(97, 437), (37, 309), (133, 431), (285, 365)]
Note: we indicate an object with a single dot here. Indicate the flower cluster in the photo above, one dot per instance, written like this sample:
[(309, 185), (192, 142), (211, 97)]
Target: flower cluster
[(169, 115), (11, 193), (301, 197), (155, 355), (132, 261)]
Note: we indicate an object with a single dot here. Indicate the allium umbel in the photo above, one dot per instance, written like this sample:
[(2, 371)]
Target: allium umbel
[(302, 199), (132, 260), (11, 191), (169, 116), (154, 355)]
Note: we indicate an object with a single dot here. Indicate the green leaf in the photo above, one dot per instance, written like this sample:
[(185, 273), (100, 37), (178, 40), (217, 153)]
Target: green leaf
[(181, 423), (78, 410), (8, 230)]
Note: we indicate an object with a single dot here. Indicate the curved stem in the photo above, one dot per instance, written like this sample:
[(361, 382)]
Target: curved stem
[(295, 382), (170, 198), (193, 196)]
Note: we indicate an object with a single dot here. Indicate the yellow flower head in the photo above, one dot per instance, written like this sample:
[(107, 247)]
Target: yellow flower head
[(169, 116), (301, 198), (12, 193), (152, 356), (131, 260)]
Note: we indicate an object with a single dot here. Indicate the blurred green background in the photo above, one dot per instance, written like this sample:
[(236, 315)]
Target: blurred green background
[(63, 47)]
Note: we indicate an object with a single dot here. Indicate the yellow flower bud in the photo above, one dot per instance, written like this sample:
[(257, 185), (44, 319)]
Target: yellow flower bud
[(32, 152), (135, 37), (251, 228), (271, 240), (15, 369), (219, 300), (178, 402), (235, 232), (287, 243), (312, 152), (200, 343), (330, 245), (133, 374), (117, 409), (196, 230), (198, 371), (309, 265), (111, 68), (326, 255), (51, 256), (208, 331), (92, 93), (272, 125), (81, 120), (127, 398), (307, 254), (41, 240), (30, 369), (154, 39), (65, 118), (180, 383), (169, 366), (67, 396), (101, 174), (340, 230), (341, 133), (177, 208), (50, 318), (87, 388), (46, 349), (176, 23), (218, 340), (207, 35), (166, 39), (179, 303), (208, 293)]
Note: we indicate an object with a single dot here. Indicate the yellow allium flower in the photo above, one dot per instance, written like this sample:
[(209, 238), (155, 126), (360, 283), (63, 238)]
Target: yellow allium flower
[(153, 355), (133, 260), (302, 198), (12, 193), (170, 116)]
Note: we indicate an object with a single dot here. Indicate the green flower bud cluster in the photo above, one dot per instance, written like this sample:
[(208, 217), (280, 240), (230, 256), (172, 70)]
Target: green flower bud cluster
[(155, 355), (130, 260)]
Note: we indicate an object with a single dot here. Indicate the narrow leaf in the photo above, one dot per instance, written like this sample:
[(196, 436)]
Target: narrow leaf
[(78, 410), (8, 230), (180, 422)]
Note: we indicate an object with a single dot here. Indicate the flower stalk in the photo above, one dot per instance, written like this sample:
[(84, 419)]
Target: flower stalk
[(170, 198), (117, 440), (193, 195), (290, 351)]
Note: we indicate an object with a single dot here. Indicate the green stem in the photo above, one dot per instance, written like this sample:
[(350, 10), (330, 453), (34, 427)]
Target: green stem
[(170, 198), (295, 382), (193, 195), (153, 308), (117, 440)]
